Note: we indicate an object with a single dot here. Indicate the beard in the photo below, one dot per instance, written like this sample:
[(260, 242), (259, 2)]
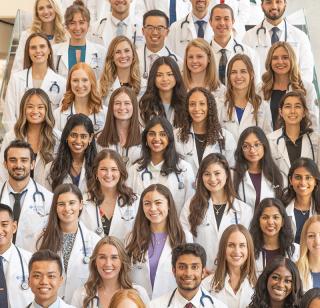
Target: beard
[(274, 16)]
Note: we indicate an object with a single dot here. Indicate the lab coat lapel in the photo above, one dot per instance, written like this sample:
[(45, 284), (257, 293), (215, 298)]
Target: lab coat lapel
[(191, 27), (48, 80), (306, 150), (283, 150), (194, 147), (63, 52)]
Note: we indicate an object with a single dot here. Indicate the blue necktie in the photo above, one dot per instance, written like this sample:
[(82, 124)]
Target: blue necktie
[(3, 287), (274, 37), (200, 24), (172, 11)]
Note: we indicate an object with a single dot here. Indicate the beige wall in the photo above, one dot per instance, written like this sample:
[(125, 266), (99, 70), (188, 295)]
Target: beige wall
[(8, 8)]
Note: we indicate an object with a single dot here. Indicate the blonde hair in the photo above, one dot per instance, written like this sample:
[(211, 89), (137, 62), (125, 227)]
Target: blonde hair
[(130, 294), (59, 31), (211, 79)]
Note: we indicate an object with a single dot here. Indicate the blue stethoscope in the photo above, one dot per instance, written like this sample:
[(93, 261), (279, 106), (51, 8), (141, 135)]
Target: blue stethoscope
[(96, 126), (145, 73), (53, 88), (94, 62), (24, 284), (264, 30), (202, 298), (39, 209), (86, 258)]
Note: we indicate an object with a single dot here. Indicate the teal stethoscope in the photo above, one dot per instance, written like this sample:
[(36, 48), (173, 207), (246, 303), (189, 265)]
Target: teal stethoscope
[(202, 298), (53, 88)]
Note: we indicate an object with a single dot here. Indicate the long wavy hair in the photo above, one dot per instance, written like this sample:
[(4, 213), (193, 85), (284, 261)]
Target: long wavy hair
[(61, 165), (59, 35), (94, 101), (126, 195), (268, 78), (171, 157), (140, 237), (199, 201), (268, 167), (150, 103), (27, 62), (248, 269), (285, 236), (261, 299), (213, 128), (109, 74), (251, 96), (52, 236), (94, 281), (47, 140), (109, 134), (211, 81)]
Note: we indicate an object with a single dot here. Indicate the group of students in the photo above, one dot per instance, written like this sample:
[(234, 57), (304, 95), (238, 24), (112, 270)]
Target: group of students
[(162, 176)]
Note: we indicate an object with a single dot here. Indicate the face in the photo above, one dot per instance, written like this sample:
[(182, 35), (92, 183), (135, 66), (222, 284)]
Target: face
[(221, 23), (200, 6), (273, 9), (292, 111), (123, 55), (80, 84), (18, 163), (315, 303), (35, 110), (239, 76), (279, 284), (120, 6), (303, 182), (108, 173), (127, 303), (155, 31), (38, 50), (271, 221), (108, 262), (156, 208), (68, 208), (165, 80), (252, 149), (313, 239), (197, 60), (237, 250), (214, 178), (188, 272), (122, 107), (78, 140), (198, 108), (280, 62), (157, 139), (78, 27), (45, 280), (7, 228), (45, 11)]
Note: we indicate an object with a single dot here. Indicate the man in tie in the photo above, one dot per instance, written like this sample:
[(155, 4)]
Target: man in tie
[(188, 267), (273, 28)]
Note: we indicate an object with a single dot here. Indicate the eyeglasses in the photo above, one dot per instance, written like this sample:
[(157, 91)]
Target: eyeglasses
[(247, 147), (159, 29)]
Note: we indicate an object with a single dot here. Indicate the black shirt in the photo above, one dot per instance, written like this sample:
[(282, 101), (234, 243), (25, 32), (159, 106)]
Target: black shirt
[(276, 96), (200, 145), (293, 149)]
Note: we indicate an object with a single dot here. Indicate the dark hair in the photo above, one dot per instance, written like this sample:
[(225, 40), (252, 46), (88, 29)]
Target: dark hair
[(61, 165), (45, 255), (20, 144), (189, 249), (222, 6), (260, 298), (309, 296), (76, 7), (6, 208), (150, 103), (156, 13), (285, 237), (289, 194), (171, 157), (268, 167)]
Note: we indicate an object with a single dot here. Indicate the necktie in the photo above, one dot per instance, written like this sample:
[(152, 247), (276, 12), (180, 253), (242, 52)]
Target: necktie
[(16, 209), (172, 11), (188, 305), (222, 65), (221, 1), (3, 286), (153, 57), (274, 37), (200, 24), (121, 28)]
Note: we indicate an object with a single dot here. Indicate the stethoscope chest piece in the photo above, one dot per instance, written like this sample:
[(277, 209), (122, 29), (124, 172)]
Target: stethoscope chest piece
[(99, 230), (24, 285), (86, 260), (96, 127)]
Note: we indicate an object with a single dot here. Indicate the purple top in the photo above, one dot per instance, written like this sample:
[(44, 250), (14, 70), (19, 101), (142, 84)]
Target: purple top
[(154, 252), (256, 181)]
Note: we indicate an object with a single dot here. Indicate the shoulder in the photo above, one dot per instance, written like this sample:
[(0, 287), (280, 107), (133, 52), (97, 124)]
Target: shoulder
[(241, 206), (161, 301), (45, 191), (184, 165), (97, 47), (275, 134), (206, 282), (19, 75)]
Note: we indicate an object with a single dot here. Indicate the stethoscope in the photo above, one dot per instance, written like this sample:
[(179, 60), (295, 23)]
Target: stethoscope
[(86, 258), (264, 30), (94, 62), (147, 171), (202, 298), (145, 73), (184, 22), (53, 88), (24, 284), (235, 46), (96, 126), (125, 158), (39, 209)]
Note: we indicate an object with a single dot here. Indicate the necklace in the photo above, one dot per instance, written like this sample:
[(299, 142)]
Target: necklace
[(303, 212), (198, 139), (218, 207)]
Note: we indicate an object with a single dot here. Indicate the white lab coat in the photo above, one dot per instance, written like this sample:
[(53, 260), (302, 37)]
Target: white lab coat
[(208, 235), (18, 86), (62, 304), (241, 299), (95, 57), (139, 180), (39, 164), (178, 301), (33, 215), (182, 32), (189, 150), (120, 227), (17, 297), (264, 119), (298, 40), (78, 272), (61, 117)]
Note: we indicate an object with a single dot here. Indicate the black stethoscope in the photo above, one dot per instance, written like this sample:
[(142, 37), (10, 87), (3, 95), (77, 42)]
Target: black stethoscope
[(202, 298), (187, 22), (94, 63), (24, 284), (42, 212), (86, 258), (125, 158), (96, 126), (145, 73), (264, 30), (52, 87), (235, 46)]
